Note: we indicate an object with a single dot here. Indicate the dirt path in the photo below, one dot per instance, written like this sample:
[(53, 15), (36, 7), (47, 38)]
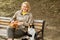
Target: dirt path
[(51, 33)]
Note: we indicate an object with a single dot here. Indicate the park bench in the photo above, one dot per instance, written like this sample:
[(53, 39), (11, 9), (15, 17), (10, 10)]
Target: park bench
[(38, 24)]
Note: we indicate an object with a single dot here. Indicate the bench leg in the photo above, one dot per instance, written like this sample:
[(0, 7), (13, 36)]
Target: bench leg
[(43, 30)]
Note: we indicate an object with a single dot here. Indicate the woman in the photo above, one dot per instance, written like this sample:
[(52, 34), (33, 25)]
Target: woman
[(24, 18)]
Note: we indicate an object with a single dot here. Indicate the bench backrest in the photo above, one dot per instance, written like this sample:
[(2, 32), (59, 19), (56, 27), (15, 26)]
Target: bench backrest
[(4, 25), (4, 22), (39, 25)]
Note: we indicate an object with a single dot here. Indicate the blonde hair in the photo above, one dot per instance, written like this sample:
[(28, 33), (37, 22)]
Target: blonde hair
[(28, 5)]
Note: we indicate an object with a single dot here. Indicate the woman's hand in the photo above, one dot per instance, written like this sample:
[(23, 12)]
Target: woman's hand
[(15, 23), (20, 23)]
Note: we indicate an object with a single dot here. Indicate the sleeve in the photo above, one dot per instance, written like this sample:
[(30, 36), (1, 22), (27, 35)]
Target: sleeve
[(14, 17), (30, 21)]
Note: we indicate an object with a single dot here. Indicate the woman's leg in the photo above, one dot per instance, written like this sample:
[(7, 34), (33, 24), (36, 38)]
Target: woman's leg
[(19, 33), (11, 33)]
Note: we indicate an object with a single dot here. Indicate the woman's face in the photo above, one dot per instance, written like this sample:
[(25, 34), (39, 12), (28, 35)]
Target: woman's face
[(24, 8)]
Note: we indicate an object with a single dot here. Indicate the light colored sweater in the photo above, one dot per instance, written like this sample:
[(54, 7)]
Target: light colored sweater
[(27, 18)]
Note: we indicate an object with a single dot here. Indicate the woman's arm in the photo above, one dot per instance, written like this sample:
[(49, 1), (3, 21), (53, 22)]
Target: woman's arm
[(30, 21), (14, 17)]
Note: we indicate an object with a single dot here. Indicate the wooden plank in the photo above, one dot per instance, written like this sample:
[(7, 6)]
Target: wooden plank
[(37, 29), (38, 24), (3, 32), (39, 21), (4, 26), (4, 23), (6, 18), (40, 27)]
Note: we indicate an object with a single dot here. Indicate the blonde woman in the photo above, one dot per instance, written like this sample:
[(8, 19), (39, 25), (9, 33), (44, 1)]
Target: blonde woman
[(24, 18)]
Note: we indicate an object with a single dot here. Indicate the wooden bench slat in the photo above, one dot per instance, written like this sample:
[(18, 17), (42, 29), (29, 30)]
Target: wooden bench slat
[(38, 24), (3, 32), (4, 26), (6, 18), (2, 23), (38, 21), (37, 30), (38, 27)]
